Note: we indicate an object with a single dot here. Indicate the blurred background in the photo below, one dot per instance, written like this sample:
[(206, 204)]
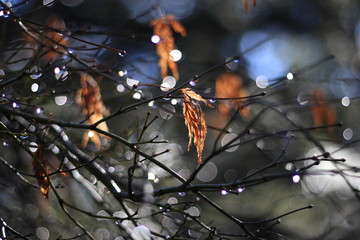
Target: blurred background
[(286, 48)]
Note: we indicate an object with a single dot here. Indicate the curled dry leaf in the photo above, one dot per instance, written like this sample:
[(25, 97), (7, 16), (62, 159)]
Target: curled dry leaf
[(89, 99), (246, 4), (41, 171), (322, 113), (194, 120), (163, 28), (50, 41), (229, 85)]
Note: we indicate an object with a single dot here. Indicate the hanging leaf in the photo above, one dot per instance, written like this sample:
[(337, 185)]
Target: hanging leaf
[(89, 99), (39, 168), (246, 4), (323, 114), (164, 28), (229, 85), (194, 120)]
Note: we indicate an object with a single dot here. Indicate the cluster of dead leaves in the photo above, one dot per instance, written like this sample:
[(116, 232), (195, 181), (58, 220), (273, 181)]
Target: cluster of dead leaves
[(41, 168), (194, 119), (51, 41), (229, 85), (322, 112), (247, 6), (89, 99), (164, 28)]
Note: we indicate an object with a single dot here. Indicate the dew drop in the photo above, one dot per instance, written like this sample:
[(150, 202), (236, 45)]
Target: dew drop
[(122, 53), (240, 189), (290, 76), (345, 101), (348, 134), (34, 87), (35, 72), (224, 192), (182, 194), (192, 83), (155, 39), (175, 55), (122, 73), (212, 100), (120, 88), (39, 110), (296, 178), (15, 105)]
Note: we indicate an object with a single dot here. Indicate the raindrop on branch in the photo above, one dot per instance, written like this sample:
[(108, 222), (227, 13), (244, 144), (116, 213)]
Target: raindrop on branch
[(122, 53), (35, 72)]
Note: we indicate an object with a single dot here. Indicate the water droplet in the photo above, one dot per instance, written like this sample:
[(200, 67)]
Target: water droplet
[(240, 189), (182, 194), (122, 73), (175, 55), (155, 39), (212, 100), (224, 192), (122, 53), (348, 134), (120, 88), (151, 103), (173, 101), (15, 105), (60, 100), (192, 83), (232, 64), (131, 82), (6, 12), (345, 101), (39, 110), (5, 144), (290, 76), (137, 96), (34, 87), (57, 70), (71, 51), (35, 72), (61, 73), (262, 81), (296, 178)]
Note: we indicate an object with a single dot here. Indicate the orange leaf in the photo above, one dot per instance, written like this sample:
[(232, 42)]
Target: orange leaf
[(163, 28), (89, 99), (194, 120), (229, 85), (41, 171), (323, 114)]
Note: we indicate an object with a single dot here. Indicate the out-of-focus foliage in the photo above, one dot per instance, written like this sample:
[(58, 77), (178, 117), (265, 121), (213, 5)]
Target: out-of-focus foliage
[(74, 71)]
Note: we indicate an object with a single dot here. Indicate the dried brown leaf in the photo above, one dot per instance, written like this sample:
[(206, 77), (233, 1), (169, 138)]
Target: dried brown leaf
[(229, 85), (41, 171), (164, 28), (89, 99), (194, 120)]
